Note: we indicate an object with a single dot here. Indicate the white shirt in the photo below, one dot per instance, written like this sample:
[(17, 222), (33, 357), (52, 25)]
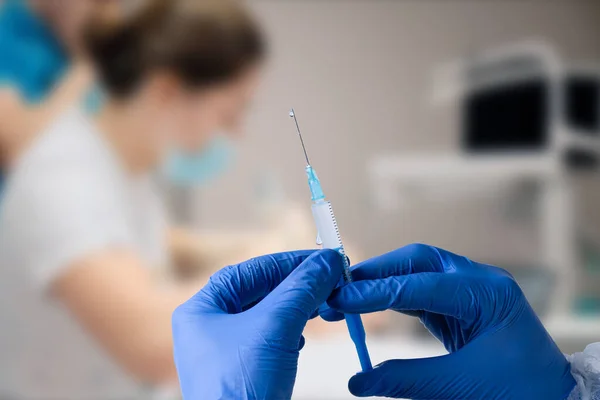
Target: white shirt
[(67, 198)]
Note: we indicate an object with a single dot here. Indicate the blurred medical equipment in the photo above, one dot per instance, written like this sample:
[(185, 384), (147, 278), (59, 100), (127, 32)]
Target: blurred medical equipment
[(528, 122), (328, 236)]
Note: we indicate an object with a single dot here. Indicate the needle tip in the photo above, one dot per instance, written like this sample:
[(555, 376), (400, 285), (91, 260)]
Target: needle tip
[(292, 114)]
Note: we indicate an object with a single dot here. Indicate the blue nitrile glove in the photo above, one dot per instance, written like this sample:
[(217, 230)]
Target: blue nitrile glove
[(498, 347), (240, 336)]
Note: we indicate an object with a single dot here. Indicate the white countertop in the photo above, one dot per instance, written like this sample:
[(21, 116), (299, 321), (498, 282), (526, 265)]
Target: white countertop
[(327, 364)]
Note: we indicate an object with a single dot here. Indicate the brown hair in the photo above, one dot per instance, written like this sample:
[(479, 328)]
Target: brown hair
[(201, 41)]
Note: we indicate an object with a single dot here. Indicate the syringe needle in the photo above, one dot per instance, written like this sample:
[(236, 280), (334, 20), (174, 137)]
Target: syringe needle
[(293, 115)]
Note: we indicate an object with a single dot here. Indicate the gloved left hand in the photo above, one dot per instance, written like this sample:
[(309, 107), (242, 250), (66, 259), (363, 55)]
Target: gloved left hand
[(240, 336), (498, 348)]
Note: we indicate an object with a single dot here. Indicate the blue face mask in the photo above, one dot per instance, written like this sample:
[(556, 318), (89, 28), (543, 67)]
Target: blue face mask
[(200, 167)]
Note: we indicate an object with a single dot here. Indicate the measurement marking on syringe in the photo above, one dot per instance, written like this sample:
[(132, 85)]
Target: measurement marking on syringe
[(341, 250)]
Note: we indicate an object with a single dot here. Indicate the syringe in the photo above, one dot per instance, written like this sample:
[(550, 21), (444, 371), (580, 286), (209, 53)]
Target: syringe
[(328, 236)]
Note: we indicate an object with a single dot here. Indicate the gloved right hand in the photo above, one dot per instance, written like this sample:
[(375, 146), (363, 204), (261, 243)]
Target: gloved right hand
[(498, 347), (241, 335)]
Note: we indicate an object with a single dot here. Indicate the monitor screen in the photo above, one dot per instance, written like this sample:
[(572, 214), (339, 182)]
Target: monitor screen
[(511, 117), (581, 104)]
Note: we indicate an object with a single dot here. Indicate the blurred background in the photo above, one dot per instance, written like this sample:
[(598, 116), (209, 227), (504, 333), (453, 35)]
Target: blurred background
[(468, 125)]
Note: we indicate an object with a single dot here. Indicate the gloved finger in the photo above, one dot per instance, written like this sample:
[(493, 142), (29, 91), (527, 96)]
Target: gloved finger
[(426, 378), (308, 286), (437, 293), (329, 314), (411, 259), (233, 288)]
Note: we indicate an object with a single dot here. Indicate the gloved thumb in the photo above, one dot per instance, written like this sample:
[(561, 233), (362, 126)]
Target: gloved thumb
[(307, 287), (425, 378)]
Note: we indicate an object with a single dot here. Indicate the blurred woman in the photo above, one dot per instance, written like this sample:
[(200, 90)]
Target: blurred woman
[(81, 225)]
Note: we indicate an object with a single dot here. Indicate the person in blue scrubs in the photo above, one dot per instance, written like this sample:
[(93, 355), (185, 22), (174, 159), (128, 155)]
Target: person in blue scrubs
[(39, 41), (33, 59)]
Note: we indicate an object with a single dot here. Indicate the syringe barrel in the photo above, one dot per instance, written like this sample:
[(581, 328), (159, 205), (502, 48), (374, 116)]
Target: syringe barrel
[(326, 225), (331, 239), (329, 232)]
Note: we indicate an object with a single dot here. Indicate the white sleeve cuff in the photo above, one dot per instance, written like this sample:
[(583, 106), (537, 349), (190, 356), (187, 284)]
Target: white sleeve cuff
[(585, 368), (55, 264)]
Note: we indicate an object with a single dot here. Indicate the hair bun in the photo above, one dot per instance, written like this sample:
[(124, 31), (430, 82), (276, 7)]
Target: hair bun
[(200, 41)]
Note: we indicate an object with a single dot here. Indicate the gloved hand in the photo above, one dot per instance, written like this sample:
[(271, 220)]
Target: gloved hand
[(498, 347), (240, 336)]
